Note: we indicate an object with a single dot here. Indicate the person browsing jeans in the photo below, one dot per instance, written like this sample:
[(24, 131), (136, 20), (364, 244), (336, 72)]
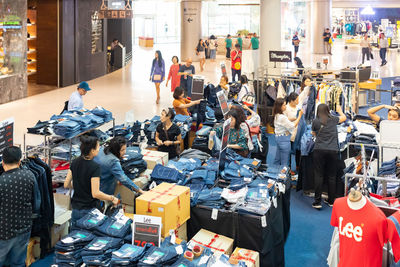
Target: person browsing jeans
[(168, 134), (284, 129), (84, 177)]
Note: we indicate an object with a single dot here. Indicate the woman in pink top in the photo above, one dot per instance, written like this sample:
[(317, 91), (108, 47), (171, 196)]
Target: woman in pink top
[(173, 73)]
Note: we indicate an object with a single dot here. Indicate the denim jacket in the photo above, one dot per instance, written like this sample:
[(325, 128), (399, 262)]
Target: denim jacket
[(111, 170)]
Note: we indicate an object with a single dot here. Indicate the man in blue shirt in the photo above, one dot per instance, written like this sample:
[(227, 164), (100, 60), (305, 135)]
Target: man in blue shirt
[(295, 43), (75, 101)]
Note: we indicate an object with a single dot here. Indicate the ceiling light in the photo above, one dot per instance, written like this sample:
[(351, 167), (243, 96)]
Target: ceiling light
[(368, 11)]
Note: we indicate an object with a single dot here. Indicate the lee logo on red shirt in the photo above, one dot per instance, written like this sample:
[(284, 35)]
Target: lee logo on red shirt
[(350, 231)]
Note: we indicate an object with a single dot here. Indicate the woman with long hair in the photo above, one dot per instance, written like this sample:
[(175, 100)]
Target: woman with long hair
[(157, 74), (326, 150), (284, 129), (168, 134), (173, 74), (201, 53), (299, 64)]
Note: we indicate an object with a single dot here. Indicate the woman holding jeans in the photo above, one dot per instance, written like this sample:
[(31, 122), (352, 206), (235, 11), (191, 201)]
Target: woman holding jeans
[(283, 132)]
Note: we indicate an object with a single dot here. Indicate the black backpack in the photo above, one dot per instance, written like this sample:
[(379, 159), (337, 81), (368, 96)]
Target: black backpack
[(65, 107)]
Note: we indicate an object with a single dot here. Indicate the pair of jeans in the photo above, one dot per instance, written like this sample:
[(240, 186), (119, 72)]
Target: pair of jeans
[(74, 240), (116, 226), (283, 149), (228, 52), (382, 54), (164, 174), (195, 190), (101, 246), (183, 118), (159, 257), (13, 251), (127, 255), (87, 219), (235, 73), (184, 164), (102, 112), (365, 52), (202, 176), (325, 162), (204, 131)]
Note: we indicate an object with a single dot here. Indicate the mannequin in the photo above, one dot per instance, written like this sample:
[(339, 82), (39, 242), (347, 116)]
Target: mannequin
[(356, 200)]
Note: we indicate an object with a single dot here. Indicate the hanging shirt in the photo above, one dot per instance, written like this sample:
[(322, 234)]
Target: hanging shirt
[(394, 234), (362, 233), (75, 101)]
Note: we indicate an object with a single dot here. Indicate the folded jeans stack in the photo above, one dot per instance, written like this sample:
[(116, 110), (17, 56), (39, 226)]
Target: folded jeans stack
[(99, 251), (202, 176), (118, 225), (133, 163), (164, 174), (91, 220), (185, 164), (102, 112), (211, 198), (128, 255)]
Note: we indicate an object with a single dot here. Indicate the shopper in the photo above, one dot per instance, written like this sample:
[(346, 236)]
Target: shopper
[(168, 134), (296, 43), (186, 71), (383, 46), (110, 167), (240, 41), (181, 104), (84, 177), (173, 74), (304, 92), (201, 53), (75, 101), (365, 48), (325, 154), (327, 41), (237, 137), (243, 124), (213, 48), (245, 88), (114, 44), (254, 45), (299, 65), (292, 112), (16, 208), (284, 128), (157, 74), (224, 85), (236, 62), (228, 46), (393, 113)]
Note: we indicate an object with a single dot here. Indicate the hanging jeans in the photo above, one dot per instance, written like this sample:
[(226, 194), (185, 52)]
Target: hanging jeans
[(283, 148), (365, 51), (382, 54), (13, 251), (325, 162)]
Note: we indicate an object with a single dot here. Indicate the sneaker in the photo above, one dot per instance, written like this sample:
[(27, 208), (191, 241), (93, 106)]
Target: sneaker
[(309, 194), (317, 205), (327, 203), (324, 195)]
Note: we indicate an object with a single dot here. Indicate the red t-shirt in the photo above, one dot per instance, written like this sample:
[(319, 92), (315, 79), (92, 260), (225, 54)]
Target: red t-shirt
[(237, 63), (362, 234), (394, 234)]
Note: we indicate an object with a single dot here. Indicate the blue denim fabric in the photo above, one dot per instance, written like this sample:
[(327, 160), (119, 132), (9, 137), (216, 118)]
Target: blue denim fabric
[(87, 219), (101, 246), (283, 148), (202, 176), (210, 113), (111, 171), (223, 260), (206, 254), (127, 255), (307, 142), (114, 227), (13, 251), (195, 190), (164, 174), (182, 262), (258, 194), (162, 256), (74, 240), (184, 164), (183, 119), (102, 112), (204, 131), (212, 164), (235, 170), (211, 198), (301, 129), (237, 184)]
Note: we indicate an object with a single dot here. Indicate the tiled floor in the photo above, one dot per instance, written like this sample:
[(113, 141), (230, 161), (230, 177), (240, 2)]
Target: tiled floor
[(130, 89)]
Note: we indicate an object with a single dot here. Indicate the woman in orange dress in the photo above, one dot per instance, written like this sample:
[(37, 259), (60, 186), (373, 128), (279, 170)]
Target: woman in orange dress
[(173, 73)]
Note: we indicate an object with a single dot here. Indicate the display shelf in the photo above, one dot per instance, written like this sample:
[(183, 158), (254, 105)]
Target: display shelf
[(31, 72), (32, 38), (30, 51), (31, 44), (32, 61)]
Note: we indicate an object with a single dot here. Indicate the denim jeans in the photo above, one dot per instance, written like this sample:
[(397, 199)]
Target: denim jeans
[(13, 251), (116, 226), (102, 245), (127, 255), (164, 174), (184, 164), (282, 150), (86, 219), (159, 257), (204, 131), (74, 240)]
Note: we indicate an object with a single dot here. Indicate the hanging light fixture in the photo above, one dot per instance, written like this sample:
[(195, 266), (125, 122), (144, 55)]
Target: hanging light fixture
[(368, 11)]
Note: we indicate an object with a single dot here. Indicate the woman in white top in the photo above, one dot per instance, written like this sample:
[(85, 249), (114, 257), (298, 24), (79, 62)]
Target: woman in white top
[(291, 112), (283, 131), (245, 88), (365, 48), (213, 48), (304, 92)]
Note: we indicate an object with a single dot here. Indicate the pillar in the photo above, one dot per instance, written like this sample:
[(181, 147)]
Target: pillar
[(270, 28), (190, 27), (319, 18)]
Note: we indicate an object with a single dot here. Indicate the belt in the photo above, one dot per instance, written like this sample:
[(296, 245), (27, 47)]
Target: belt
[(279, 135)]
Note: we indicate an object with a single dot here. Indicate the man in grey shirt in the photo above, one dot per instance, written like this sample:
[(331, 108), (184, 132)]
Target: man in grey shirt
[(383, 46)]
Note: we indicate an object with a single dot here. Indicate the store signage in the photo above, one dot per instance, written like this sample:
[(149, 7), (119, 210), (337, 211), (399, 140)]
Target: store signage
[(223, 103), (6, 134), (116, 9), (146, 229), (197, 87), (280, 56), (224, 145), (115, 14)]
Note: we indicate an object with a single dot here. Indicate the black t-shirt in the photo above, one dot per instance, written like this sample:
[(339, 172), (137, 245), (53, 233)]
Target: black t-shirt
[(327, 135), (327, 35), (82, 173), (189, 70), (170, 135)]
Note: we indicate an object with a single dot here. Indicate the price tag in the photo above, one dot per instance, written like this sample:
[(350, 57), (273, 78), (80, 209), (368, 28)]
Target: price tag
[(179, 250), (191, 194), (204, 260), (214, 214), (173, 236), (67, 240), (275, 202), (282, 188), (264, 195), (153, 185), (263, 221), (247, 179)]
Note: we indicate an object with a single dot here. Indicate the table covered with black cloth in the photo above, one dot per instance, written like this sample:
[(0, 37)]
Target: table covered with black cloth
[(247, 230)]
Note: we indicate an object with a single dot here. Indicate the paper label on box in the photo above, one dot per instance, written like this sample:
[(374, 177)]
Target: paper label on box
[(173, 237), (214, 214), (281, 188), (204, 260), (160, 209), (191, 194), (152, 185), (263, 221), (191, 245), (179, 250)]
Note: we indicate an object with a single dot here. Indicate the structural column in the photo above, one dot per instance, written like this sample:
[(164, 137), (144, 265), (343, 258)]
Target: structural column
[(319, 18), (190, 27), (270, 29)]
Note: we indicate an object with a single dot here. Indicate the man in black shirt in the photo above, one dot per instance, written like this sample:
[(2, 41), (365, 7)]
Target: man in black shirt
[(186, 72), (327, 36), (16, 198)]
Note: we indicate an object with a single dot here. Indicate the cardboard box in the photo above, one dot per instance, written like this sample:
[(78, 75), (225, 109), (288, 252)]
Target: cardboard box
[(168, 201), (33, 250), (154, 157), (250, 257), (58, 232), (144, 179), (219, 244), (127, 195)]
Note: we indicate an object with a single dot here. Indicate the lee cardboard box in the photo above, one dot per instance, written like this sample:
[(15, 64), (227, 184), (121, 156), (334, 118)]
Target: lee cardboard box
[(154, 157), (219, 244), (250, 257), (168, 201)]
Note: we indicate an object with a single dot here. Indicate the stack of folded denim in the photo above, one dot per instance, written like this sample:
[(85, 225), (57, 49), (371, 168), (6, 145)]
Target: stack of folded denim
[(43, 127), (212, 164), (68, 250), (257, 201), (195, 154), (118, 225), (210, 116), (160, 256), (67, 128), (150, 129), (128, 255), (388, 167), (102, 136), (133, 163), (202, 176), (307, 142), (234, 196), (99, 251), (184, 123), (102, 112), (185, 165), (162, 174), (201, 143), (91, 220), (235, 170), (195, 190), (119, 130), (204, 131), (276, 172), (211, 198)]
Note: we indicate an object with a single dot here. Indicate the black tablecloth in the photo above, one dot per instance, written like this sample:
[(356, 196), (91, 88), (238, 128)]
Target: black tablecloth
[(247, 230)]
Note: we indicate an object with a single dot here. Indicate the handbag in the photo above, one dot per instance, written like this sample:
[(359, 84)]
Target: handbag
[(157, 77)]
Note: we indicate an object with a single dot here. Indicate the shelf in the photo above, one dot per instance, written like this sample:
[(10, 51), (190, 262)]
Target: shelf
[(32, 61), (31, 72), (31, 51), (32, 38), (31, 24)]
